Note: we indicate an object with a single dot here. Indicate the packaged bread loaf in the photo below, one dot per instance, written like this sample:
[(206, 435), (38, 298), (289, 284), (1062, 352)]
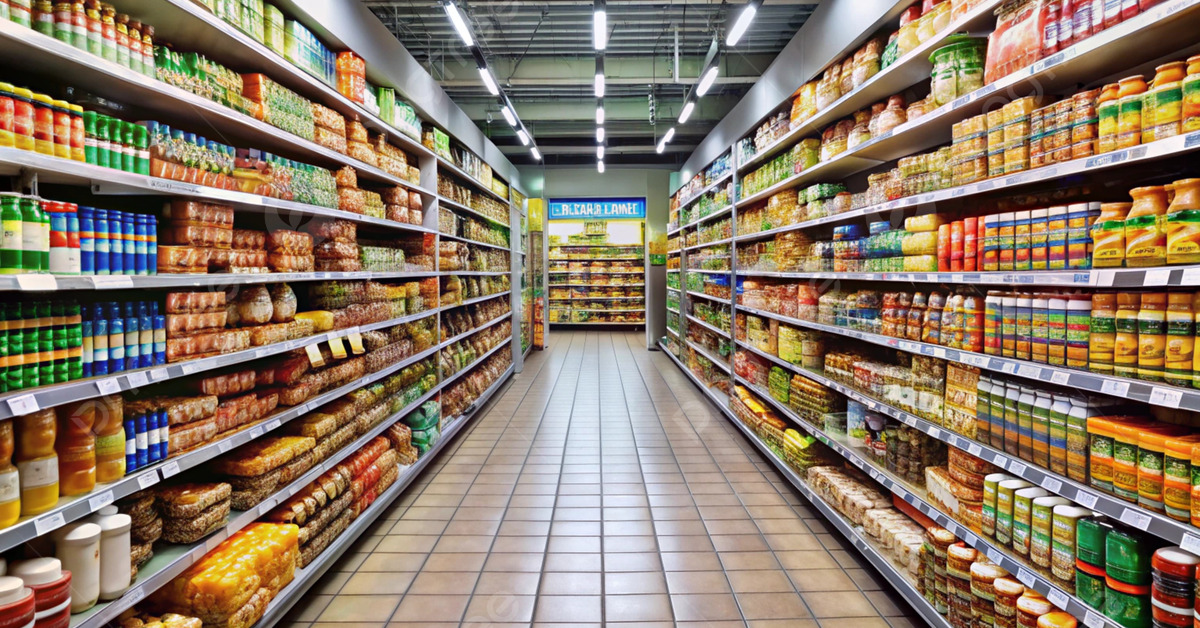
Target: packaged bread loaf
[(356, 132), (183, 531), (195, 302), (189, 500), (262, 455), (327, 118)]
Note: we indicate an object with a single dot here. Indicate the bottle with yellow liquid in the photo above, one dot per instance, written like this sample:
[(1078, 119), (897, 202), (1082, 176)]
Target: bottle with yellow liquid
[(76, 448), (1125, 347), (1181, 339), (10, 486), (37, 461)]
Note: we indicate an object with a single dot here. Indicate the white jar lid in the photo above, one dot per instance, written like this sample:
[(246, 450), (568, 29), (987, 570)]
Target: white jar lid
[(81, 534), (37, 571), (115, 523), (11, 590)]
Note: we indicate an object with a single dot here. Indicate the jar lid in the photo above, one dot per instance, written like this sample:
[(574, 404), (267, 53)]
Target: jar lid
[(81, 534), (11, 590), (1008, 587), (1175, 561), (997, 478), (115, 524), (37, 571), (1057, 619)]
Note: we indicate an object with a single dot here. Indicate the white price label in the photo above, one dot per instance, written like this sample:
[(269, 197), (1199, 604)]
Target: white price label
[(50, 522), (1058, 598), (37, 283), (1060, 377), (1113, 387), (974, 450), (224, 445), (939, 352), (169, 469), (994, 555), (969, 538), (952, 527), (900, 492), (1033, 372), (935, 433), (1191, 276), (1025, 577), (1168, 397), (96, 502), (158, 374), (137, 379), (256, 432), (1190, 543), (24, 404), (1158, 277), (1051, 484), (266, 505), (112, 282), (1135, 518), (980, 361), (272, 425), (147, 479), (1103, 277), (1092, 620), (1018, 468), (108, 386), (188, 368), (262, 352), (1009, 367), (1086, 499), (133, 596)]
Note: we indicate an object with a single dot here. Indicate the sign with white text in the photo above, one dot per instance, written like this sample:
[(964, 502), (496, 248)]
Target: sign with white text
[(603, 208)]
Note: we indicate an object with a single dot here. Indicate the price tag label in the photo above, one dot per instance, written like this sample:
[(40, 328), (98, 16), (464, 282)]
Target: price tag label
[(1017, 468), (980, 361), (935, 433), (188, 368), (1092, 620), (994, 555), (108, 386), (1158, 277), (137, 379), (969, 538), (1168, 397), (974, 450), (37, 283), (1051, 484), (1025, 577), (1060, 377), (134, 596), (266, 505), (96, 502), (262, 352), (1114, 387), (158, 374), (1191, 276), (1135, 518), (224, 446), (939, 352), (1058, 598), (1190, 543), (50, 522), (314, 355), (23, 404), (1033, 372), (256, 432), (338, 349), (112, 282), (273, 424), (1009, 367), (169, 469), (900, 492), (356, 343), (952, 527), (147, 479), (1086, 499)]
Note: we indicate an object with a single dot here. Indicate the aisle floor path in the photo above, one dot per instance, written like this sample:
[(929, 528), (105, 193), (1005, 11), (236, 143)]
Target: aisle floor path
[(601, 488)]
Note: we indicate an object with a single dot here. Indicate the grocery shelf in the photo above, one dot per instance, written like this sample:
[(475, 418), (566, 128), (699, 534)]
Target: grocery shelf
[(675, 312), (1024, 572), (485, 297), (588, 272), (472, 182), (583, 309), (50, 283), (721, 242), (708, 272), (907, 71), (596, 298), (176, 558), (22, 402), (107, 181), (306, 577), (1158, 31), (899, 581), (453, 339), (1132, 389), (453, 376), (457, 238), (674, 270), (711, 328), (718, 362), (708, 188), (456, 206), (596, 285), (73, 508), (710, 297), (716, 214), (1178, 532), (474, 273), (34, 51), (595, 259), (640, 323), (596, 246), (1170, 276)]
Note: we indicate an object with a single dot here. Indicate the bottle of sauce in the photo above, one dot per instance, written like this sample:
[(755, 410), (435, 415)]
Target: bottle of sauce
[(134, 30), (1131, 95), (1183, 223), (122, 24), (37, 462), (108, 31), (1108, 109), (43, 17), (95, 36), (76, 447), (109, 431), (1103, 336), (1145, 237), (1152, 336), (148, 65), (1125, 345), (1181, 339), (10, 485), (1108, 236)]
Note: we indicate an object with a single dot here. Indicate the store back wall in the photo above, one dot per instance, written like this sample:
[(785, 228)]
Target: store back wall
[(653, 184)]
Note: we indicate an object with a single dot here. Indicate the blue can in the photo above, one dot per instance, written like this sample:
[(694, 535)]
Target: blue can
[(73, 254), (99, 345), (116, 338), (88, 346), (129, 242), (139, 245), (130, 445), (102, 246), (152, 435), (145, 336), (152, 245), (132, 337), (116, 243), (143, 441), (164, 435), (87, 241), (160, 339)]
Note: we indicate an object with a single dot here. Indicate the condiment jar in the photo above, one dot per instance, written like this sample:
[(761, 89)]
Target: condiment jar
[(7, 112), (1163, 108), (77, 546), (37, 461), (51, 585), (1183, 223), (43, 124), (1145, 237), (10, 487), (78, 135), (62, 129), (23, 118), (1107, 112), (1129, 117), (115, 572), (1191, 96), (16, 603)]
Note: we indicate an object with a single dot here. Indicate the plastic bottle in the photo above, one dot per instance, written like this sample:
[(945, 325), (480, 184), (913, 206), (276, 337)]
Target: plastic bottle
[(10, 483), (1152, 336), (1181, 339), (1125, 346), (37, 461), (1103, 334), (76, 448)]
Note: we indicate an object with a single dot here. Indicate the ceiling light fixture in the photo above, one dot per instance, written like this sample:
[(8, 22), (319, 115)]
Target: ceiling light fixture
[(599, 25), (670, 134), (507, 112), (600, 167), (489, 81), (600, 152), (743, 22), (706, 81), (599, 134), (599, 76), (523, 136), (662, 145), (600, 113), (459, 23), (687, 111), (536, 155)]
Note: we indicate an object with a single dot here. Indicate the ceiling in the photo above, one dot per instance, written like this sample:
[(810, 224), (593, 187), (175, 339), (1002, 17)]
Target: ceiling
[(541, 54)]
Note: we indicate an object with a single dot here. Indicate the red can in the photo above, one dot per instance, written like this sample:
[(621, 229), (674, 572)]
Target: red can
[(956, 240), (971, 229)]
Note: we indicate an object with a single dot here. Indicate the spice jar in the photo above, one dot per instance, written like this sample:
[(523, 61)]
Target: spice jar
[(78, 134)]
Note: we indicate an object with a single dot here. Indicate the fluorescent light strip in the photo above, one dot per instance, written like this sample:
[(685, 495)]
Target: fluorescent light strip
[(508, 116), (599, 26), (460, 25), (600, 167), (670, 134), (523, 136), (707, 81), (536, 154), (600, 113), (742, 24), (599, 84), (687, 111), (599, 134), (600, 152), (489, 81)]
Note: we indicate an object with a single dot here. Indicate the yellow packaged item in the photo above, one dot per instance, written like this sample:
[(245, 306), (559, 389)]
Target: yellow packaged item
[(921, 243), (322, 320), (926, 222), (920, 264), (262, 455)]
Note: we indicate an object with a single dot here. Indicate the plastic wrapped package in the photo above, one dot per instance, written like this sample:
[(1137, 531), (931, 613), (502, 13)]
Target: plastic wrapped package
[(238, 261), (203, 344), (250, 305), (1017, 40), (262, 455), (397, 213), (356, 132), (180, 410), (322, 320), (327, 118), (225, 384), (321, 541), (189, 500), (338, 265), (248, 239), (351, 200), (346, 177), (287, 263), (363, 152), (331, 249), (183, 260), (195, 302), (391, 165), (330, 139), (232, 584), (263, 335), (183, 323), (185, 530), (337, 230), (291, 242), (195, 235), (185, 212)]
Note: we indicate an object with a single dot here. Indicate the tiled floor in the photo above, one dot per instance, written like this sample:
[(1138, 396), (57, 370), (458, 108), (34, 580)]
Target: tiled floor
[(601, 488)]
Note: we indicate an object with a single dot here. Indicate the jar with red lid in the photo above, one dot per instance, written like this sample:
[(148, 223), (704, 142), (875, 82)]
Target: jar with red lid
[(62, 129), (78, 133)]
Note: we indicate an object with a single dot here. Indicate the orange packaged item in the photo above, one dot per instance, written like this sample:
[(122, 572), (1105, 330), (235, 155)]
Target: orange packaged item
[(195, 302), (76, 448), (37, 461), (352, 76), (183, 260), (185, 212), (193, 235), (287, 241), (226, 384), (248, 239), (207, 344), (109, 428), (183, 323), (285, 263)]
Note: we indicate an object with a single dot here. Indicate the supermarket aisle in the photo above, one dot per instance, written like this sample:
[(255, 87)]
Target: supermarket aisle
[(601, 487)]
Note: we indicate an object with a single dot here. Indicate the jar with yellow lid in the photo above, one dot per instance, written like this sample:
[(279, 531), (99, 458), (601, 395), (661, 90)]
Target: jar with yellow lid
[(7, 114), (1163, 108), (62, 129), (23, 118), (1152, 446), (1152, 336), (1181, 339), (1107, 110), (43, 17), (78, 133), (1191, 96), (1183, 223), (1101, 432), (1102, 335), (1125, 343), (43, 124), (1145, 236), (1177, 476)]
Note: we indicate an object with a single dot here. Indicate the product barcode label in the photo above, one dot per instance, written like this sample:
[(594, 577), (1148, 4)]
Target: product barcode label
[(1052, 484), (37, 283), (1192, 141), (169, 469), (23, 404), (50, 522), (96, 502), (1168, 397), (272, 425), (1190, 543), (137, 379), (1086, 499), (935, 432), (1135, 518), (939, 352), (256, 432), (1158, 277), (133, 596), (974, 449), (1058, 598), (147, 479), (1060, 377), (1113, 387), (1016, 467), (1191, 276), (1025, 577), (981, 361)]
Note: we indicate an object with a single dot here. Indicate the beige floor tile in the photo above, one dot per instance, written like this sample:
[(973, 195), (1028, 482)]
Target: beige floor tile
[(691, 561), (572, 562), (431, 608), (567, 608), (365, 583), (806, 559), (634, 561), (464, 544), (574, 544), (625, 583), (568, 583), (380, 562), (443, 583), (640, 608), (821, 580), (499, 609), (705, 607), (455, 562), (680, 582), (526, 562), (369, 608), (772, 606), (760, 581), (840, 604), (495, 582), (471, 528)]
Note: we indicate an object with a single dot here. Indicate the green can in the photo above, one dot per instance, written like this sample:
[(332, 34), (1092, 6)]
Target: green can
[(31, 236), (1089, 586), (1041, 538), (1127, 556), (45, 343), (1131, 611), (1092, 536), (987, 519), (104, 141), (1004, 508), (10, 241)]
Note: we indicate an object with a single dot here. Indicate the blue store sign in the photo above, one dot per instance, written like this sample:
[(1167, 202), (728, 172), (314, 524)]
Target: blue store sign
[(597, 208)]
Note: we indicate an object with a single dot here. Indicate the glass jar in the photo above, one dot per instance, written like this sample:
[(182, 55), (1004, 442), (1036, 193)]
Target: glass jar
[(62, 129), (43, 124), (1163, 107), (78, 135), (10, 486), (122, 31), (43, 17), (1183, 223), (23, 119), (134, 31), (37, 461), (1129, 117), (7, 114), (95, 36), (79, 28), (76, 448), (108, 31), (64, 30)]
